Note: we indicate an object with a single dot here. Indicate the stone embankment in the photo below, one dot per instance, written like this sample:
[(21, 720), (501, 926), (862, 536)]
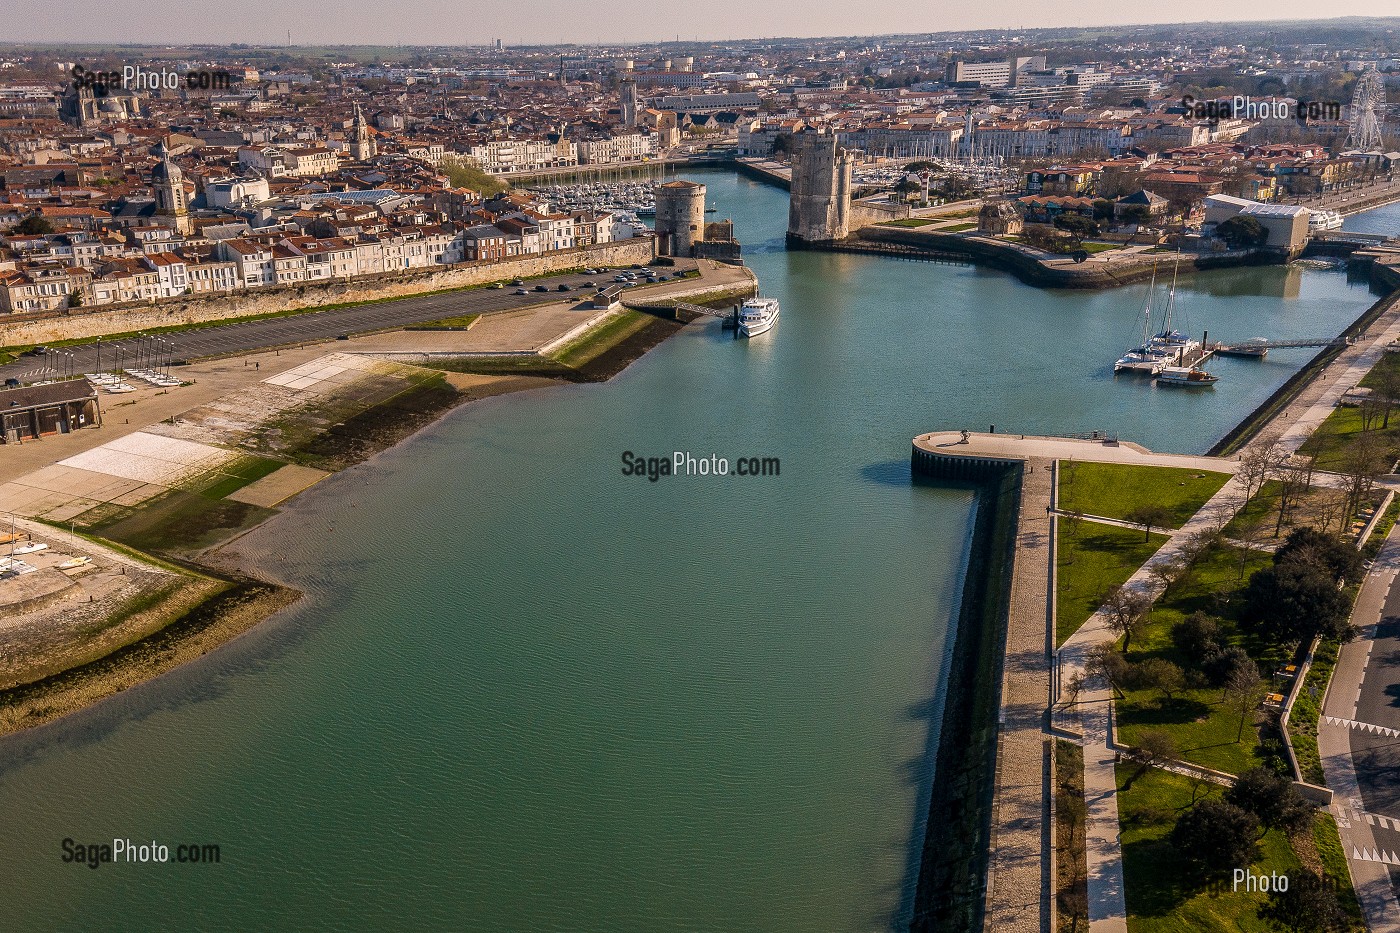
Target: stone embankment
[(76, 323), (1044, 269)]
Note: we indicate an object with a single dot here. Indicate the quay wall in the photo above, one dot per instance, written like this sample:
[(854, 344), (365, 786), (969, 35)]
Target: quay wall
[(1252, 423), (74, 323), (762, 174), (1034, 271), (951, 890)]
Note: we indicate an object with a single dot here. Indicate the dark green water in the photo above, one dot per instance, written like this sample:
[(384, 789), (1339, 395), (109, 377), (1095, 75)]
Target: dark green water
[(528, 693)]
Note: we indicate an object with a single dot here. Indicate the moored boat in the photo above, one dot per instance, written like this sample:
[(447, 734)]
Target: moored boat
[(757, 316), (1187, 376)]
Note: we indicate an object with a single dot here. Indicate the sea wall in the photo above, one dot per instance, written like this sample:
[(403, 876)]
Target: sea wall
[(1252, 423), (950, 896), (1034, 271), (23, 330), (762, 174)]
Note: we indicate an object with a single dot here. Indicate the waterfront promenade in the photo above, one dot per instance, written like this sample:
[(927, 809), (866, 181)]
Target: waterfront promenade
[(1022, 735), (1017, 892)]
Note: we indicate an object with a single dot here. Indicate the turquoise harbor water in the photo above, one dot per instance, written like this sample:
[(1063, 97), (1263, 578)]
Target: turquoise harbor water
[(528, 693)]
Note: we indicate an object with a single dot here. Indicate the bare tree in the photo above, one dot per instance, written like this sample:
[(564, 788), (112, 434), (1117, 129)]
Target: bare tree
[(1106, 661), (1241, 689), (1293, 478), (1126, 610), (1363, 462), (1387, 375), (1166, 573), (1149, 517), (1072, 521), (1194, 546), (1256, 462), (1371, 411)]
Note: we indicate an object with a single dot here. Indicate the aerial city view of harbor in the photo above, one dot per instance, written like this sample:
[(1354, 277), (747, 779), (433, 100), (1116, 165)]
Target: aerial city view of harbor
[(564, 468)]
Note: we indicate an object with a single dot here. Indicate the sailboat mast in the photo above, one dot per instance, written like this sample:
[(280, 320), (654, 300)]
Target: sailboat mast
[(1171, 295), (1147, 308)]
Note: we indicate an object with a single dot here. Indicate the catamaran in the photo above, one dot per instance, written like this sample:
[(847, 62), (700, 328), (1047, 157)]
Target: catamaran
[(1142, 359), (1168, 346), (757, 315)]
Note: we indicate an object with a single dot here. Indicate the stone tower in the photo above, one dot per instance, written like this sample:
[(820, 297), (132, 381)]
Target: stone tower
[(168, 184), (629, 102), (680, 217), (362, 148), (820, 207)]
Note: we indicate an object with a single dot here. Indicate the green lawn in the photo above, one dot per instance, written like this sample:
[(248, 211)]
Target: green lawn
[(1154, 873), (958, 228), (1113, 490), (1201, 723), (1099, 247), (1090, 561), (602, 338), (1329, 442), (459, 322), (907, 222)]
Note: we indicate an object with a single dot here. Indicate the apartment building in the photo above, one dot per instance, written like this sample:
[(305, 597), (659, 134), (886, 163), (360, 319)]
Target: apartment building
[(508, 156), (629, 147)]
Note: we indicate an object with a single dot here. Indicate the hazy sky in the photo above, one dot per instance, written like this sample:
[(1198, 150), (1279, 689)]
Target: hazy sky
[(463, 22)]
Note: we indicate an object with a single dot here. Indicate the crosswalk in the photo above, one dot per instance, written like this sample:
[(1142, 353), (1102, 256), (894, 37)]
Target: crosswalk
[(1375, 855), (1363, 726)]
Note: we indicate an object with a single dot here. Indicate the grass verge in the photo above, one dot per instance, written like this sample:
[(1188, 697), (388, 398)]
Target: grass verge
[(1071, 863), (1115, 490), (1088, 561), (1160, 898), (1302, 722), (1203, 725)]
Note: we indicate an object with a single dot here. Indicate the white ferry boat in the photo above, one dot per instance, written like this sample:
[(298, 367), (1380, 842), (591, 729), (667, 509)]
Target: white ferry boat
[(1324, 220), (757, 315)]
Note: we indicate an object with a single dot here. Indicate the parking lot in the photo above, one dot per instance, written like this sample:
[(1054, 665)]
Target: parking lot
[(211, 341)]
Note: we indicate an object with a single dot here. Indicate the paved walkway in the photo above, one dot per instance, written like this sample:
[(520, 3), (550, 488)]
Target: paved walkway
[(1091, 714), (1371, 878), (1018, 876), (1026, 446)]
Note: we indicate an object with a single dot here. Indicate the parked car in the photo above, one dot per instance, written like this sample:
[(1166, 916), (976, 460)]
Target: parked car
[(522, 291), (565, 287), (517, 281), (619, 278), (590, 284), (541, 288), (496, 285)]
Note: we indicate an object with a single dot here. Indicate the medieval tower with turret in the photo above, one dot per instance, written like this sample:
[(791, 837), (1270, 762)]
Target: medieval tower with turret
[(820, 207)]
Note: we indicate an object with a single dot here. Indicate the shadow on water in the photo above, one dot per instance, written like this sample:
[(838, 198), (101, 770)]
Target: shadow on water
[(919, 773), (888, 473)]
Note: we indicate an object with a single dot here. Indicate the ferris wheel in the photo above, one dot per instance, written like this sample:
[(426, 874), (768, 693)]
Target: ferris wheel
[(1367, 109)]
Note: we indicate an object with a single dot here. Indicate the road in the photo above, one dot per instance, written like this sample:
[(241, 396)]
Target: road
[(210, 341), (1359, 741)]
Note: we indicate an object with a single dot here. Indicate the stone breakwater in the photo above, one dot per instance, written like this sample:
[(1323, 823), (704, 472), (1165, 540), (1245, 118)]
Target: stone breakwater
[(78, 323), (1048, 271)]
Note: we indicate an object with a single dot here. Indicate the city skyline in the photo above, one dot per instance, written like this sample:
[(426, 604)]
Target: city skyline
[(610, 22)]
